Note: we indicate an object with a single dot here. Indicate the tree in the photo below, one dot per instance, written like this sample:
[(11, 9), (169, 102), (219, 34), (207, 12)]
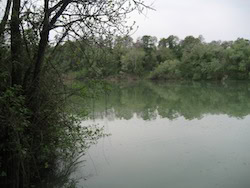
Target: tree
[(172, 41), (147, 42), (132, 62), (121, 47), (189, 42), (164, 54), (238, 59), (163, 43), (34, 128)]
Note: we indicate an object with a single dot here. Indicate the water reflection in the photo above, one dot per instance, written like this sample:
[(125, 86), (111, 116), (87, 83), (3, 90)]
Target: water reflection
[(149, 100), (192, 135)]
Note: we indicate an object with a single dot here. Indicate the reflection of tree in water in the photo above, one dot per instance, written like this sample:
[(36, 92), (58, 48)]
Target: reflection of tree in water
[(146, 100)]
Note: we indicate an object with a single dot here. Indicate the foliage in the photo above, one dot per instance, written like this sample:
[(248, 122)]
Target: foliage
[(132, 62), (166, 70), (57, 137), (38, 136), (191, 58)]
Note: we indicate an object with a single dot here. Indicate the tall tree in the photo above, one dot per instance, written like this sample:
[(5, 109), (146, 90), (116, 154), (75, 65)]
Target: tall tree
[(30, 112)]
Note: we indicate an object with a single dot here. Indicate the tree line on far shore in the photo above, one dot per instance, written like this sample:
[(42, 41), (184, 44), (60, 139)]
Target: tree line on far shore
[(167, 59)]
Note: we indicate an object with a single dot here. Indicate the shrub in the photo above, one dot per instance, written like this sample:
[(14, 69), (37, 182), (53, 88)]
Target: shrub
[(167, 70)]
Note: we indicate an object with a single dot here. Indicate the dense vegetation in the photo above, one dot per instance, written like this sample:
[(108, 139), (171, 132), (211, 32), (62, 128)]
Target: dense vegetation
[(170, 58), (39, 138)]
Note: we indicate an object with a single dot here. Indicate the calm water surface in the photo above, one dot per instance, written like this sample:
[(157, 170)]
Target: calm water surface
[(171, 135)]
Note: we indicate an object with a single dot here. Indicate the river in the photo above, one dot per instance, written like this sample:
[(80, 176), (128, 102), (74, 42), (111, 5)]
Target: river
[(170, 135)]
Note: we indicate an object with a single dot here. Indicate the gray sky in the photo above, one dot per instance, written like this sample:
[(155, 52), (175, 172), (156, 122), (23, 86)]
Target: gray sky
[(214, 19)]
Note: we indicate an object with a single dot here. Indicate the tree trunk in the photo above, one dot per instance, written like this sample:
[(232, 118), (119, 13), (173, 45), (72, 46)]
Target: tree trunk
[(16, 44), (13, 172), (39, 56)]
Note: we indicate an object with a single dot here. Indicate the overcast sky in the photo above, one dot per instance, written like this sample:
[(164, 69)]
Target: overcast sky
[(214, 19)]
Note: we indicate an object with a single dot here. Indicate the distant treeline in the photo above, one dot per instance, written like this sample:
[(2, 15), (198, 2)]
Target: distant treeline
[(169, 58)]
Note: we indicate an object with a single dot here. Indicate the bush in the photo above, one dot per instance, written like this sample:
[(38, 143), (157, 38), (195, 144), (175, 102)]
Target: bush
[(167, 70), (39, 139)]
